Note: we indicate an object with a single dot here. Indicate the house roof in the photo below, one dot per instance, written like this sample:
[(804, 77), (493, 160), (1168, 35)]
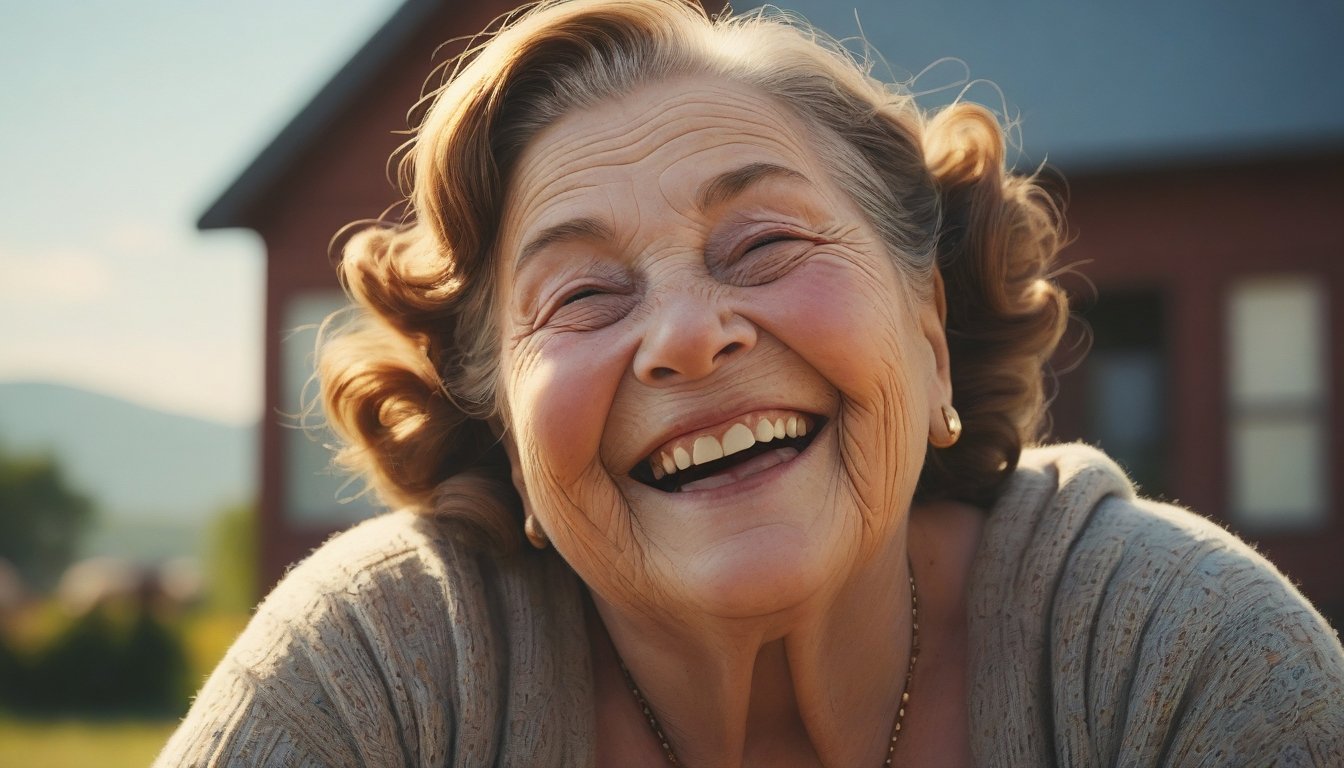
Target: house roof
[(267, 169), (1097, 87), (1112, 87)]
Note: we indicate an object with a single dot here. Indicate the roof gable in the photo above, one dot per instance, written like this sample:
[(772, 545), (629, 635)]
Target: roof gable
[(1096, 86)]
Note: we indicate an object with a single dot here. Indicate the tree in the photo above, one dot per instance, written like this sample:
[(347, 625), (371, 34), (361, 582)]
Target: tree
[(41, 517)]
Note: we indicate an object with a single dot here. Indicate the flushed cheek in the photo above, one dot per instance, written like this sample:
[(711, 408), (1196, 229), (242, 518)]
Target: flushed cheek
[(559, 398), (856, 333)]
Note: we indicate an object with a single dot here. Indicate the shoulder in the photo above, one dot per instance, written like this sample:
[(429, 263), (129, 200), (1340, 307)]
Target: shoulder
[(1069, 510), (1070, 527), (396, 623), (1159, 631), (383, 588), (403, 553)]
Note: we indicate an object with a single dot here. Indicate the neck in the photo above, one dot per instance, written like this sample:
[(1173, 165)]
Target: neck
[(818, 684)]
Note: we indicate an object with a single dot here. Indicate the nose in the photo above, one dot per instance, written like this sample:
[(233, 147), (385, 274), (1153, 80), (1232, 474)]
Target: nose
[(689, 336)]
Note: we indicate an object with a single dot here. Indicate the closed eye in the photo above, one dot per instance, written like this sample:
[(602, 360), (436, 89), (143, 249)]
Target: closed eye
[(580, 295), (588, 308), (771, 239), (766, 258)]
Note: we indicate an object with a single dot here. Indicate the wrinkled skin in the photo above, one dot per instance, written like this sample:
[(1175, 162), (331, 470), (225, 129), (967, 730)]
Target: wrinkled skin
[(668, 305)]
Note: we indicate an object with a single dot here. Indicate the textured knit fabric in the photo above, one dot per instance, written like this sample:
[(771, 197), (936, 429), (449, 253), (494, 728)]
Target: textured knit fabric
[(1112, 631), (396, 645), (1105, 631)]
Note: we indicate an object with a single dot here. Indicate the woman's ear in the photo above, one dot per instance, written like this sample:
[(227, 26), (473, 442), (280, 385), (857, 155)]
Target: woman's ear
[(939, 296), (934, 326), (533, 528), (515, 468), (944, 423)]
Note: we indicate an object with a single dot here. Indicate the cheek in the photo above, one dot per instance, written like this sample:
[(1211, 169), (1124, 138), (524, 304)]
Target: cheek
[(850, 323), (560, 392), (854, 325)]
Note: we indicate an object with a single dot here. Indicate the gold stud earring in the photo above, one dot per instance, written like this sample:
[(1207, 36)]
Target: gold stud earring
[(953, 423), (536, 535)]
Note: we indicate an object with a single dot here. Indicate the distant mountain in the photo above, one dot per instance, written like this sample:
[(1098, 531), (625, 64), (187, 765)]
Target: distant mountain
[(139, 465)]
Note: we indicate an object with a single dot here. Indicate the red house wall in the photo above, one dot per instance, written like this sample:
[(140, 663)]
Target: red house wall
[(1191, 233)]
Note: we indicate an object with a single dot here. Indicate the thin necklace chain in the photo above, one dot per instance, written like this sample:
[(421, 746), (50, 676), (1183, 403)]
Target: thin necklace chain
[(900, 711)]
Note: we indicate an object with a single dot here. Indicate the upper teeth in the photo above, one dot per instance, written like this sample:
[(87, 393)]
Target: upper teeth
[(739, 437)]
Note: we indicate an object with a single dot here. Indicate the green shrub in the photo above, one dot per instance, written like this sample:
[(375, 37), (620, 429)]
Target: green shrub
[(115, 659)]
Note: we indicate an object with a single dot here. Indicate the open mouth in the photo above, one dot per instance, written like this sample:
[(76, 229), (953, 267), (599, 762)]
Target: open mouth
[(710, 460)]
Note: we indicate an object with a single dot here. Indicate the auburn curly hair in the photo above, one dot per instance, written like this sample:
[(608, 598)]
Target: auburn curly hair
[(410, 385)]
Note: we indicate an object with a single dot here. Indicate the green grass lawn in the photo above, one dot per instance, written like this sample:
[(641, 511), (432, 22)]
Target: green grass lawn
[(81, 743)]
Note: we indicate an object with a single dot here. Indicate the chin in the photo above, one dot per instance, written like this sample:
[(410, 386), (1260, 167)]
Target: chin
[(767, 570)]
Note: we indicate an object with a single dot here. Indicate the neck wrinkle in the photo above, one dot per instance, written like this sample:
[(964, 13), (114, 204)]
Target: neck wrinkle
[(849, 672), (829, 687)]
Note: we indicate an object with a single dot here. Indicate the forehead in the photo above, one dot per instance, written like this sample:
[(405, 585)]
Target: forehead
[(662, 142)]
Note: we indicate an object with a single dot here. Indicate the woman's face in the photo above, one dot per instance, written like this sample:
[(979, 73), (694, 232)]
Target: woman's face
[(718, 386)]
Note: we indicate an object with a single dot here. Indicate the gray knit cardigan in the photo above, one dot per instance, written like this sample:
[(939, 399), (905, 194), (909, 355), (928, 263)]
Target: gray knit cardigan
[(1105, 631)]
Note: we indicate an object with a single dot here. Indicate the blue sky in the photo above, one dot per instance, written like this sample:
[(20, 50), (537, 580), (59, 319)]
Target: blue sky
[(120, 123)]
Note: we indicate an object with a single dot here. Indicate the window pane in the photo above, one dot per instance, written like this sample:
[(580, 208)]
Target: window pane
[(1128, 391), (1127, 386), (1127, 395), (1276, 330), (314, 491), (1277, 478)]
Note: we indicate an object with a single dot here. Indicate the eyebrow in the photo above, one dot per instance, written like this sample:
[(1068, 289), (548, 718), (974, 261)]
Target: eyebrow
[(586, 228), (722, 187), (726, 185)]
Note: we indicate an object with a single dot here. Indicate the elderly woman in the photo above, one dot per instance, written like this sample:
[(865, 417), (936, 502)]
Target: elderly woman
[(748, 348)]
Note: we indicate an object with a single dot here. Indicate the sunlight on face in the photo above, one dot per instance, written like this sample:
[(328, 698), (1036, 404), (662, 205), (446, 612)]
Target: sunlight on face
[(718, 385)]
